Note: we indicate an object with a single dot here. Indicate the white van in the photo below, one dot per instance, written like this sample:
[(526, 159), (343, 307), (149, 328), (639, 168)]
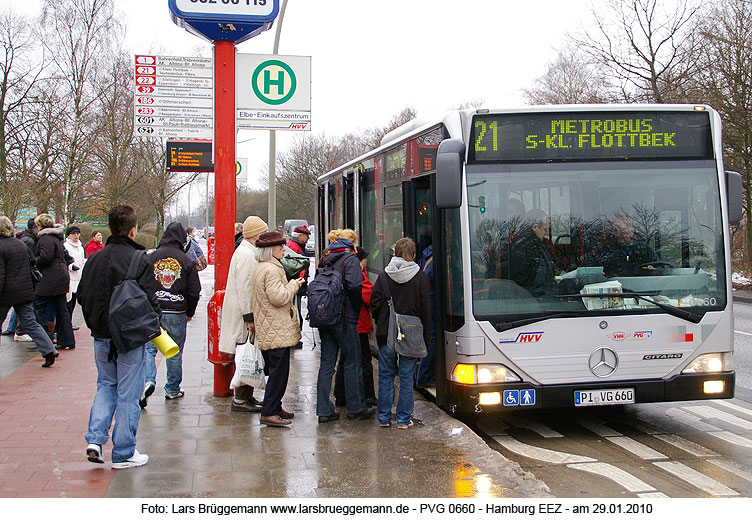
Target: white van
[(291, 224)]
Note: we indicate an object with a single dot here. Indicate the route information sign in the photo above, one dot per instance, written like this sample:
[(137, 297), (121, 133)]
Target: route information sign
[(173, 97)]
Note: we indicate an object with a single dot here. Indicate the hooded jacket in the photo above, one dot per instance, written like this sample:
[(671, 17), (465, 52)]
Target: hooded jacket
[(410, 290), (341, 256), (103, 271), (52, 263), (179, 285)]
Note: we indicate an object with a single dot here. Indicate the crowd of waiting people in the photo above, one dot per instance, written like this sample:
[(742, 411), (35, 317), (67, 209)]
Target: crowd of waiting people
[(45, 270)]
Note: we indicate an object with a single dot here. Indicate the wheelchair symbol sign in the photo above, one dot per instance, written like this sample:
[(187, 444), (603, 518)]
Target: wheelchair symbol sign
[(511, 397)]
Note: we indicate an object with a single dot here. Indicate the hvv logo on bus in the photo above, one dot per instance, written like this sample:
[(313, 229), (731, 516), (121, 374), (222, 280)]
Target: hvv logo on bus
[(524, 338)]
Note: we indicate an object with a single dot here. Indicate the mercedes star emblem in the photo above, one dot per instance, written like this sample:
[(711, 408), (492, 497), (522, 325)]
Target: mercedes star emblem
[(603, 362)]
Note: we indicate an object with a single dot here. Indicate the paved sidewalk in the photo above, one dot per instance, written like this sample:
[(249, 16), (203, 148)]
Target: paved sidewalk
[(198, 448)]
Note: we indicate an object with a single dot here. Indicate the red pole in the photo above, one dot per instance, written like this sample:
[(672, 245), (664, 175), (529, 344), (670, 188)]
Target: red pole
[(225, 198)]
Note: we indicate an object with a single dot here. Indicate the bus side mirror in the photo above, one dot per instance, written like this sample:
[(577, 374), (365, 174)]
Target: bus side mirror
[(734, 196), (449, 160)]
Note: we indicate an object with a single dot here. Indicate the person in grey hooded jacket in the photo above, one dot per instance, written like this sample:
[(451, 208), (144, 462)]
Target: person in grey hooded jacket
[(410, 290)]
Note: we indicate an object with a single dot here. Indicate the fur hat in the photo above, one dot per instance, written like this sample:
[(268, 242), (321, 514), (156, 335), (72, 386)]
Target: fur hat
[(253, 226), (270, 239)]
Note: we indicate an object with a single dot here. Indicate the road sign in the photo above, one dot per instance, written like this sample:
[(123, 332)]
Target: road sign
[(189, 156), (273, 92), (173, 97), (225, 20)]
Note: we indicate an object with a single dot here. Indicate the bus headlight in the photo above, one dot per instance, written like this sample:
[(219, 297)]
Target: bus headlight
[(710, 363), (482, 374)]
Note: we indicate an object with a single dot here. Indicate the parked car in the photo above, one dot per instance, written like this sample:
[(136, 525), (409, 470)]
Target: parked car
[(291, 224), (310, 246)]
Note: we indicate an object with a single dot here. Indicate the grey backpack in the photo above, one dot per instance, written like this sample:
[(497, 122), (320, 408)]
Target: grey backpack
[(133, 321), (405, 333)]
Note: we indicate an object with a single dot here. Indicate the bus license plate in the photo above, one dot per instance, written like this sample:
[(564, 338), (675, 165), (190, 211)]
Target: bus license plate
[(604, 397)]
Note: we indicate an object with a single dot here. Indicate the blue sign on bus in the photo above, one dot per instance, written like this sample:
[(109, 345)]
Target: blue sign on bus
[(233, 20)]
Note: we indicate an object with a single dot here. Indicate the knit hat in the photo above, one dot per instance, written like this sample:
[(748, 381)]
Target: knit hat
[(72, 229), (302, 229), (253, 226), (270, 239)]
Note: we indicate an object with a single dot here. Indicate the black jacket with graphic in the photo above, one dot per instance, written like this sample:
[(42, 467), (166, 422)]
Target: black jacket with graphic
[(103, 271), (179, 285)]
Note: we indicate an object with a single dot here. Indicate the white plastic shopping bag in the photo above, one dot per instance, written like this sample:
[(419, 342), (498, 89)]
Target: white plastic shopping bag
[(249, 366)]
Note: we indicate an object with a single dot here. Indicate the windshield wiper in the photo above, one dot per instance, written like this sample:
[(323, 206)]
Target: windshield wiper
[(504, 326), (671, 310)]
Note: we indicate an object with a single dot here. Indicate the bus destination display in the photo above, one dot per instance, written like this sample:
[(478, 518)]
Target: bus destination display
[(590, 136)]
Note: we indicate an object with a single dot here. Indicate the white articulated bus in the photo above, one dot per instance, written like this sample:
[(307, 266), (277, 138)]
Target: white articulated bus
[(581, 253)]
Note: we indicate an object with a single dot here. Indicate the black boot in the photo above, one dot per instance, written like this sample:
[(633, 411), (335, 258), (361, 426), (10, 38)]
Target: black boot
[(49, 359)]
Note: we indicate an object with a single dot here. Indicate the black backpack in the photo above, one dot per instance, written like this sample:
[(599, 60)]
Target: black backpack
[(326, 298), (133, 321)]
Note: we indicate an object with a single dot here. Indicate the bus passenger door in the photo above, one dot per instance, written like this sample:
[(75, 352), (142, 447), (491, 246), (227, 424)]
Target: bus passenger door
[(418, 213)]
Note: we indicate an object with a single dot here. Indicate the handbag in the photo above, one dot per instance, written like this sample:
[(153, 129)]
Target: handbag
[(294, 263), (249, 366), (36, 274), (201, 263), (405, 333)]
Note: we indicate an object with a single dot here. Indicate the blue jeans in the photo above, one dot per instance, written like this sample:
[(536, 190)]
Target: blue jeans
[(12, 322), (345, 337), (390, 365), (119, 387), (175, 325)]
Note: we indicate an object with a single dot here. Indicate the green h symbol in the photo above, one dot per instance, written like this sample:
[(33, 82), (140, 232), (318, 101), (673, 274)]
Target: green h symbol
[(279, 82)]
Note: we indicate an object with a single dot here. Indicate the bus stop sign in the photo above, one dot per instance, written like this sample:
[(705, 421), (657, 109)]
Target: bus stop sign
[(230, 20)]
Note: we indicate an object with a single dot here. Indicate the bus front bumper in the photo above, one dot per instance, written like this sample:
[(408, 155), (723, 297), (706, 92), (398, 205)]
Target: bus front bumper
[(521, 396)]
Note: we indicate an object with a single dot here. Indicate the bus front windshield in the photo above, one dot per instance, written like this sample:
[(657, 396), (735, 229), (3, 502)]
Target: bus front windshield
[(595, 238)]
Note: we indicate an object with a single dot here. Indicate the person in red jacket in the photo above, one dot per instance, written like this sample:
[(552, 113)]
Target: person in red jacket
[(94, 244), (299, 239), (365, 327)]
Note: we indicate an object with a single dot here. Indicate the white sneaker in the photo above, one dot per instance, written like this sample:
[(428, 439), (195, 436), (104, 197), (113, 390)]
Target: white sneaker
[(22, 338), (94, 453), (136, 460)]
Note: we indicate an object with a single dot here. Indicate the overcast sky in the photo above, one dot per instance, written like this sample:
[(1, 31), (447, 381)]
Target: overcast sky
[(370, 59)]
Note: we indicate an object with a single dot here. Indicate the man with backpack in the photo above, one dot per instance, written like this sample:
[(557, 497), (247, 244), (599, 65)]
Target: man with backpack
[(334, 302), (120, 372)]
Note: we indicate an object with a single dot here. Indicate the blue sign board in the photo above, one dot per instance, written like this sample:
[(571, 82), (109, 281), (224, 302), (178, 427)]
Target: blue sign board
[(511, 397), (231, 20)]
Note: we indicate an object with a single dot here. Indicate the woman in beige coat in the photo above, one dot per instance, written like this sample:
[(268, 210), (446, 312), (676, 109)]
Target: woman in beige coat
[(237, 308), (276, 324)]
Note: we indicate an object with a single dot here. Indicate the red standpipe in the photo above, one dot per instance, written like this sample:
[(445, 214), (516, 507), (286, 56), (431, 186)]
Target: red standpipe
[(225, 199)]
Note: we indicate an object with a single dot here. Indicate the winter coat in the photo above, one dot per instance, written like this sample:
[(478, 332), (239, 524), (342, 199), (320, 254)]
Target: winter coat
[(16, 286), (51, 262), (30, 239), (179, 285), (296, 245), (103, 271), (76, 250), (276, 320), (411, 293), (194, 250), (237, 308), (92, 247), (341, 256), (364, 320)]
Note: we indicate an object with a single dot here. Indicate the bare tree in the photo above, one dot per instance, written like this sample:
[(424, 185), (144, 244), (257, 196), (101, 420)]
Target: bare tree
[(726, 80), (77, 34), (117, 176), (570, 79), (645, 47), (20, 70)]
